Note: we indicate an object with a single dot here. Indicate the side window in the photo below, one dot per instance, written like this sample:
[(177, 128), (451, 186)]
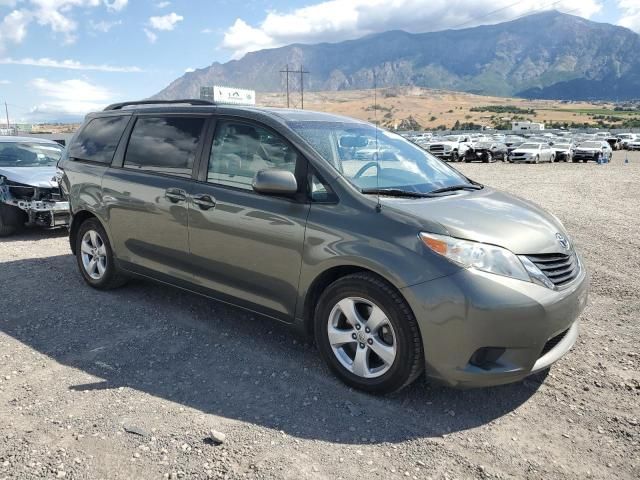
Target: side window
[(164, 144), (98, 140), (241, 150)]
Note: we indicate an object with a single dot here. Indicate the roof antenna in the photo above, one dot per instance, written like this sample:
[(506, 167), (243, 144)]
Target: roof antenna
[(375, 120)]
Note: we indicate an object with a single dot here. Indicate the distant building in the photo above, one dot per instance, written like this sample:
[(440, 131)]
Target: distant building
[(527, 126)]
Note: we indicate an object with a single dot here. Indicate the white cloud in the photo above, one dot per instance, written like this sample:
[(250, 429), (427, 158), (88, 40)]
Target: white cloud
[(336, 20), (5, 82), (153, 38), (165, 22), (630, 14), (162, 4), (189, 70), (206, 31), (13, 27), (54, 14), (116, 5), (67, 64), (104, 26), (70, 97)]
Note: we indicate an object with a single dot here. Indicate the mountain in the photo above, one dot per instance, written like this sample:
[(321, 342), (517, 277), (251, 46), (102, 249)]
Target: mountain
[(546, 55)]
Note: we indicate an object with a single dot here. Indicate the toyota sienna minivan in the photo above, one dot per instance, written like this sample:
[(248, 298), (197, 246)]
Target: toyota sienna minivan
[(395, 263)]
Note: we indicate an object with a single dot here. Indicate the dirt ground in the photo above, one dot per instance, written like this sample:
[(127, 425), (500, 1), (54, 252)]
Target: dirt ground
[(430, 107), (128, 384)]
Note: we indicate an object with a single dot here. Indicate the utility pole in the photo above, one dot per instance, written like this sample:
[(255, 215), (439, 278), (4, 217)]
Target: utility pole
[(302, 72), (6, 111), (286, 71)]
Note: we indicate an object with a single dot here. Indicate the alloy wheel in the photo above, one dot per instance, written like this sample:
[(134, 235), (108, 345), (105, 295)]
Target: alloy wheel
[(94, 254), (362, 337)]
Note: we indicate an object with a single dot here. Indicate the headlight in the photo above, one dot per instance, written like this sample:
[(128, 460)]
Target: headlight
[(481, 256)]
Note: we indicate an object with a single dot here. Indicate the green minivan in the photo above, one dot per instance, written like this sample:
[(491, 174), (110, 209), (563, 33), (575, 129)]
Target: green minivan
[(396, 263)]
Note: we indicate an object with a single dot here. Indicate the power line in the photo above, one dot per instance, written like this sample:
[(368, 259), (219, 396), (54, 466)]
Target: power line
[(529, 12)]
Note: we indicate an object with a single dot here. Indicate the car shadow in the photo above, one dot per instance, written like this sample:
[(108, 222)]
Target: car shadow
[(222, 360), (34, 234)]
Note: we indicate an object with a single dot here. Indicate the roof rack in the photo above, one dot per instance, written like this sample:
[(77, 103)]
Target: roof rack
[(188, 101)]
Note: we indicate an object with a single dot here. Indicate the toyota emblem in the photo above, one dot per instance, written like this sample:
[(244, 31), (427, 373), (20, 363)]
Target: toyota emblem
[(563, 241)]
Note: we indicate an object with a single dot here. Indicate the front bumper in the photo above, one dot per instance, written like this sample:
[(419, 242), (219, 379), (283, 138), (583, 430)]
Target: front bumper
[(516, 159), (525, 327), (44, 213)]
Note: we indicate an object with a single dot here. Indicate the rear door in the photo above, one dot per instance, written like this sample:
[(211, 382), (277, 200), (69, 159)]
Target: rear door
[(147, 194), (247, 246)]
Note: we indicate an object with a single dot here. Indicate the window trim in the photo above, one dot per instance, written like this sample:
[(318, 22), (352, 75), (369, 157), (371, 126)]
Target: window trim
[(115, 151), (301, 170), (122, 153)]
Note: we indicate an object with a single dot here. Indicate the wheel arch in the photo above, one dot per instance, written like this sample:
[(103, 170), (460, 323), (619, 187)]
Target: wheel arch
[(322, 281), (78, 219)]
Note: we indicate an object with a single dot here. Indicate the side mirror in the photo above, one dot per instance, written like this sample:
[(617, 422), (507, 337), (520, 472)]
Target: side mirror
[(275, 182)]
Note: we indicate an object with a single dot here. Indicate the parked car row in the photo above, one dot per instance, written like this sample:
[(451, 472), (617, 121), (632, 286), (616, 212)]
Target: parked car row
[(536, 148)]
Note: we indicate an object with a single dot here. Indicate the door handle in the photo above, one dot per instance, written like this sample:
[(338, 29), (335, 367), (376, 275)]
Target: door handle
[(205, 202), (175, 195)]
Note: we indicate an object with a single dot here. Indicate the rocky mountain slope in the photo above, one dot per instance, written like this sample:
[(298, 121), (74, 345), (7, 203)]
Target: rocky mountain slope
[(546, 55)]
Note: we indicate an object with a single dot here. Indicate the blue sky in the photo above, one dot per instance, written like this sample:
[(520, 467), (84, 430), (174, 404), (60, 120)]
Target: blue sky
[(60, 59)]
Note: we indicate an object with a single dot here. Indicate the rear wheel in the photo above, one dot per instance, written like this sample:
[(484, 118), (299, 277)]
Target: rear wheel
[(367, 334), (95, 257), (12, 219)]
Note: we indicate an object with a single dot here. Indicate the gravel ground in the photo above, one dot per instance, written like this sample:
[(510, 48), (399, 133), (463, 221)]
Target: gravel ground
[(129, 383)]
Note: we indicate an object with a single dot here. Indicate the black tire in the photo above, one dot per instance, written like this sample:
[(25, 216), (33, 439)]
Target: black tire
[(112, 276), (454, 156), (409, 360), (12, 219)]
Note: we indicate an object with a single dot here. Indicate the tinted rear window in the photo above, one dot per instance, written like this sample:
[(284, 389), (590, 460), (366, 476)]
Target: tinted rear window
[(98, 140), (164, 144)]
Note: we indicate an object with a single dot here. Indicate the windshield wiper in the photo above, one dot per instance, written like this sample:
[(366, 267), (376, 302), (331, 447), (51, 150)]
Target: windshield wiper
[(394, 192), (454, 188)]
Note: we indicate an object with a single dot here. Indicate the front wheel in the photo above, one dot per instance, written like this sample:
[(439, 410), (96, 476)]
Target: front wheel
[(367, 334), (537, 160), (12, 219), (454, 156), (95, 257)]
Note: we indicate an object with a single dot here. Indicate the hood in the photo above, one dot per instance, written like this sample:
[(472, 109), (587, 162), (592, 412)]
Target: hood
[(526, 150), (489, 216), (41, 177), (588, 149)]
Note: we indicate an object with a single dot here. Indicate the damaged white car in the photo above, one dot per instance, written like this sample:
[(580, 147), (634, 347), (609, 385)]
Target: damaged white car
[(29, 192)]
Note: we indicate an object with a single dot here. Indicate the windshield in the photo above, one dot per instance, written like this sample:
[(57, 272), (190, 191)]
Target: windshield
[(591, 144), (530, 146), (351, 149), (24, 154)]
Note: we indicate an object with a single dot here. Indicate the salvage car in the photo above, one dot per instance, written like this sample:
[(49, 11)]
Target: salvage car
[(486, 152), (29, 192), (396, 266), (596, 150), (533, 153), (451, 147), (564, 151), (633, 144)]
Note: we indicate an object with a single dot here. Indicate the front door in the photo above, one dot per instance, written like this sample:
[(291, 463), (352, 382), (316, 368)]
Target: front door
[(148, 198), (247, 246)]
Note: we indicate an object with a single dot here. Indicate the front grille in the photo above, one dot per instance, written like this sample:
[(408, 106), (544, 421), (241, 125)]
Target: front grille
[(550, 345), (558, 267), (436, 148)]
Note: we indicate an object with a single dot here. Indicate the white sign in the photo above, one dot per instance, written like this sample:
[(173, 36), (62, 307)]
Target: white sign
[(237, 96)]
